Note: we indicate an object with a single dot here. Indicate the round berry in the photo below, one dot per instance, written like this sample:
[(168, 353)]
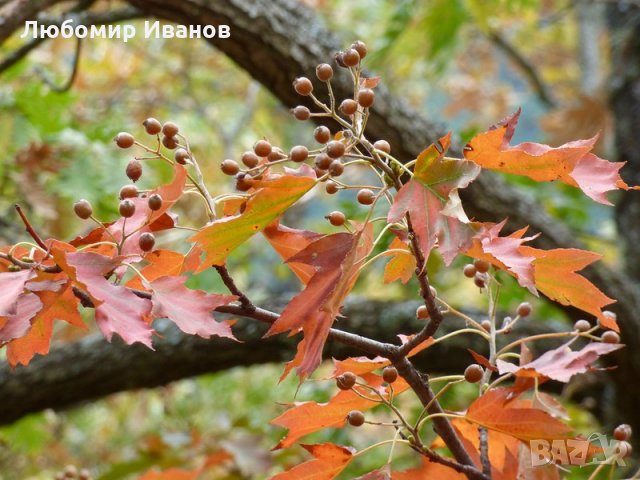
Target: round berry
[(146, 241), (346, 381), (351, 57), (348, 106), (469, 270), (155, 202), (610, 315), (152, 126), (331, 187), (366, 97), (624, 449), (299, 153), (128, 191), (276, 154), (324, 72), (610, 337), (366, 196), (480, 279), (383, 146), (262, 148), (336, 168), (303, 86), (134, 170), (322, 134), (336, 218), (243, 182), (486, 325), (70, 471), (250, 159), (229, 167), (335, 149), (390, 374), (319, 172), (524, 309), (182, 156), (473, 373), (124, 140), (582, 326), (127, 208), (422, 312), (481, 265), (301, 113), (170, 142), (83, 209), (323, 161), (360, 47), (84, 474), (170, 129), (355, 418), (622, 432)]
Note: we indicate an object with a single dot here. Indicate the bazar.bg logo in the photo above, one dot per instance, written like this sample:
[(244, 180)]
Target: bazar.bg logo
[(594, 450)]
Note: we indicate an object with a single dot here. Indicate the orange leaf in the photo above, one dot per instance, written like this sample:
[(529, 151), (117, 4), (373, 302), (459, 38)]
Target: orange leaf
[(273, 197), (329, 461), (429, 470), (163, 263), (555, 276), (308, 417), (571, 163), (402, 264), (495, 411)]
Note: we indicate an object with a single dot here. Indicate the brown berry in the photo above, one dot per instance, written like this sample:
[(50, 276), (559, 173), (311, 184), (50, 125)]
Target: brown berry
[(622, 432), (299, 153), (331, 187), (422, 312), (480, 279), (486, 325), (262, 148), (84, 474), (336, 168), (473, 373), (582, 326), (301, 113), (170, 142), (336, 218), (250, 159), (366, 97), (610, 337), (469, 270), (389, 374), (155, 202), (182, 156), (303, 86), (355, 418), (128, 191), (346, 381), (146, 241), (351, 57), (83, 209), (323, 161), (524, 309), (124, 140), (70, 471), (243, 182), (229, 167), (348, 106), (366, 196), (276, 154), (322, 134), (324, 72), (152, 126), (319, 172), (134, 170), (127, 208), (360, 47), (170, 129), (335, 149), (382, 145), (481, 265)]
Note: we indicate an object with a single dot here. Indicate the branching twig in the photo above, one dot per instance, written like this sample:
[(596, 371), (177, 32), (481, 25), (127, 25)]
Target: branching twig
[(29, 227), (484, 451)]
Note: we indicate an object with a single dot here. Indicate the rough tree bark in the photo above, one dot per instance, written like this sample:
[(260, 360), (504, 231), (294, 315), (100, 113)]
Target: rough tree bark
[(277, 40), (92, 368)]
